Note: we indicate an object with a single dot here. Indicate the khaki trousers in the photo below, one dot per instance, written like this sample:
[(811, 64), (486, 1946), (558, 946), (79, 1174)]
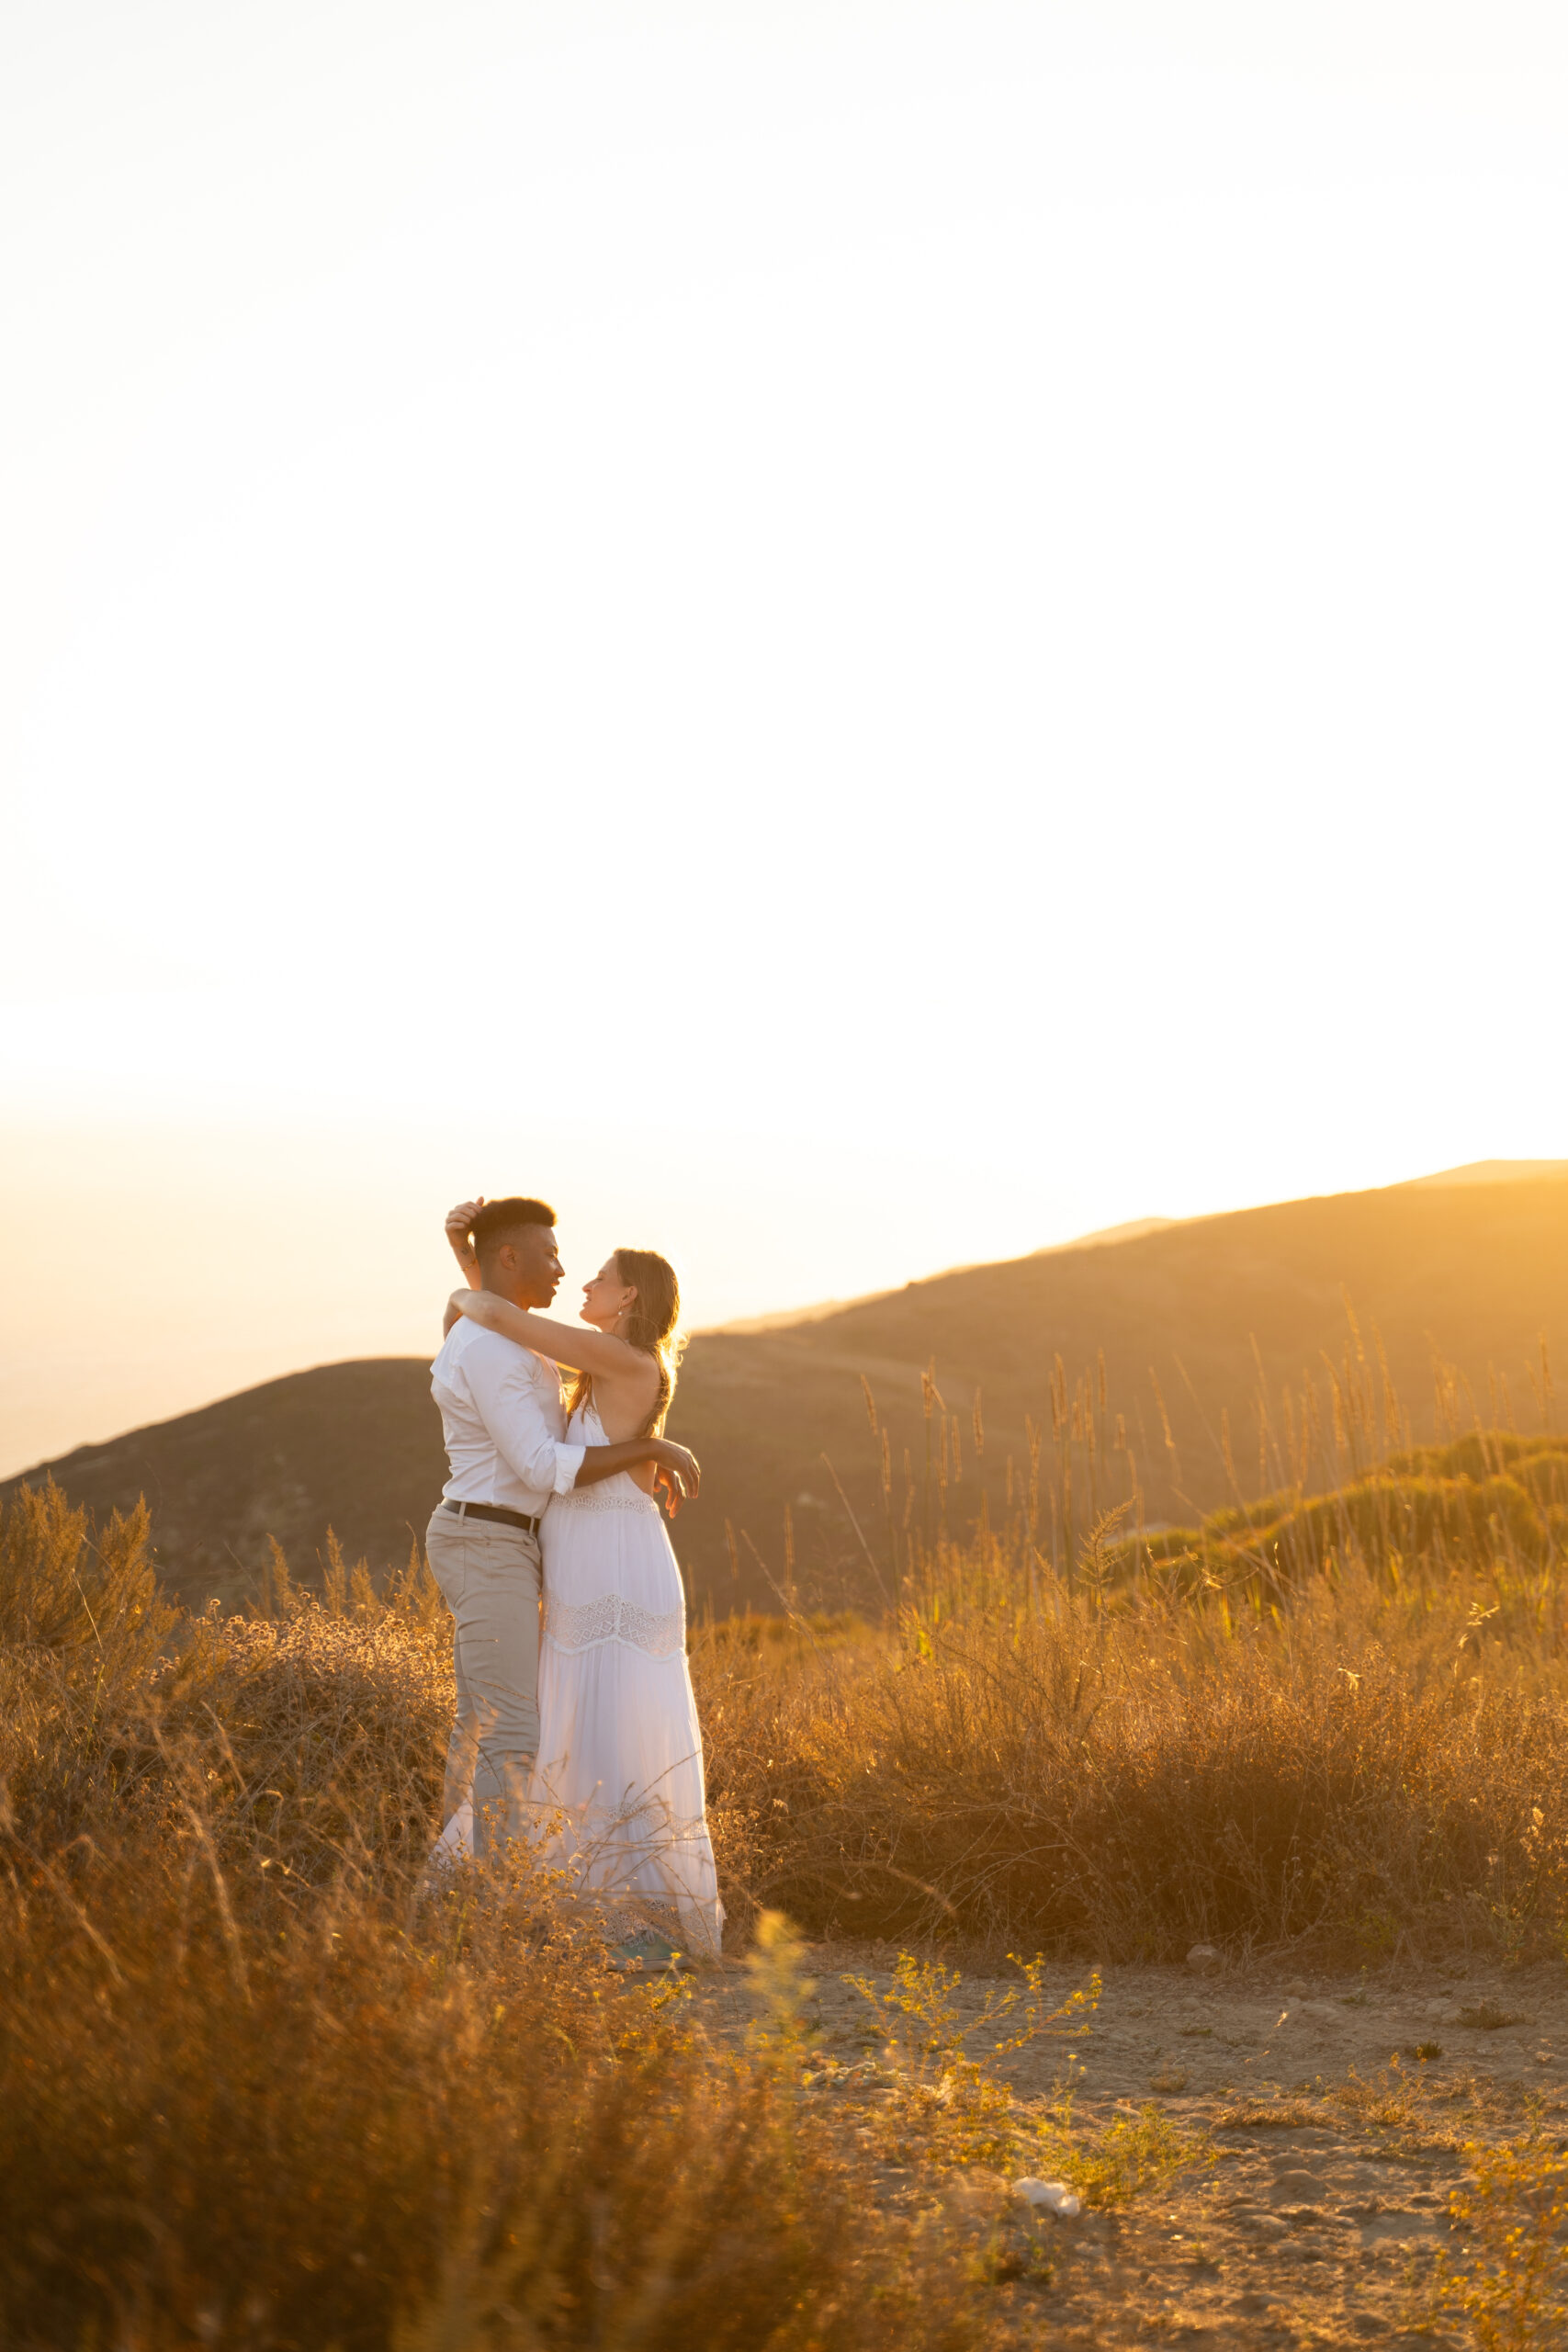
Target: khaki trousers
[(490, 1579)]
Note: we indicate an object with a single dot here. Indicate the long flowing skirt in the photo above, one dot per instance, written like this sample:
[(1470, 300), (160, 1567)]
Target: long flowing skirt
[(618, 1786)]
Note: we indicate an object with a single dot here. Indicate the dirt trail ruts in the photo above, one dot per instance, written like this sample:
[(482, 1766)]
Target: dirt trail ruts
[(1318, 2222)]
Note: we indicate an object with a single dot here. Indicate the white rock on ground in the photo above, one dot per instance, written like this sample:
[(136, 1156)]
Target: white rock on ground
[(1048, 2196)]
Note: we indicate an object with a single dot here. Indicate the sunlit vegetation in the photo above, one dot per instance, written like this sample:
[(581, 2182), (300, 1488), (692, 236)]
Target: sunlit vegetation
[(264, 2082), (1371, 1766), (259, 2086), (1333, 1718)]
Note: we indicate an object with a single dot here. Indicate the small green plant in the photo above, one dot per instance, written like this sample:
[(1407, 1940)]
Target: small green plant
[(946, 2103), (1134, 2154), (950, 2109), (782, 2035), (1394, 2103), (1511, 2282), (1002, 2261)]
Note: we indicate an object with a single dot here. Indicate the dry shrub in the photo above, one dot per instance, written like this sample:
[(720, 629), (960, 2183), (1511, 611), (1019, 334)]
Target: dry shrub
[(259, 2089), (245, 2126), (317, 1734), (320, 1735), (1372, 1766)]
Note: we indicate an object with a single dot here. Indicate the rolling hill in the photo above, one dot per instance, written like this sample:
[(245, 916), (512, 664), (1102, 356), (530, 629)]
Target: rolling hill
[(1477, 1265)]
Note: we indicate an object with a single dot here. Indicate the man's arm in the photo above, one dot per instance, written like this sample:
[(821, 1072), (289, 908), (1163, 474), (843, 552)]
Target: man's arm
[(679, 1473), (510, 1408)]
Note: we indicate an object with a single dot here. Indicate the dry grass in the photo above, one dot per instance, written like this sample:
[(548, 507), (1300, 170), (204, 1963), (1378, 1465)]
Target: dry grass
[(1332, 1718), (252, 2127), (258, 2089), (1375, 1767), (313, 1736), (290, 2094)]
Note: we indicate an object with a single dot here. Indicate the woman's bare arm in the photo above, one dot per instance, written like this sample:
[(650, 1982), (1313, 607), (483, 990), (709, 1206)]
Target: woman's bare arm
[(458, 1222), (575, 1345)]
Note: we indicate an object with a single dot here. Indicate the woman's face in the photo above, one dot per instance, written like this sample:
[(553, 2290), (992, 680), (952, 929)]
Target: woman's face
[(605, 1296)]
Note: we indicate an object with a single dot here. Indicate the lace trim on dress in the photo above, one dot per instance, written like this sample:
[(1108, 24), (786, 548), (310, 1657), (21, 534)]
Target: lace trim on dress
[(611, 1618), (589, 1501)]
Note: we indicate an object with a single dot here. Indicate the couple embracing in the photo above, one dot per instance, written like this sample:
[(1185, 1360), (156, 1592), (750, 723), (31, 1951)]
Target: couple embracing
[(581, 1732)]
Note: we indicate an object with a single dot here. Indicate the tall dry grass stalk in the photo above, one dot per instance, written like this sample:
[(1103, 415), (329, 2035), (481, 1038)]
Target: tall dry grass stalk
[(1329, 1470)]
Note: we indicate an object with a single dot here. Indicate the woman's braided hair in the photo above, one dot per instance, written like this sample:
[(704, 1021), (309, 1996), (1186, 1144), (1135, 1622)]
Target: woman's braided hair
[(651, 1327)]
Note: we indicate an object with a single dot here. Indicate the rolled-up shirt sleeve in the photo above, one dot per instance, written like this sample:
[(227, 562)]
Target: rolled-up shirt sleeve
[(568, 1462), (502, 1389)]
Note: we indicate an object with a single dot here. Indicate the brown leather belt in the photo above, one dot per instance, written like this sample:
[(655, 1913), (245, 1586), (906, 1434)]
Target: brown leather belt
[(494, 1510)]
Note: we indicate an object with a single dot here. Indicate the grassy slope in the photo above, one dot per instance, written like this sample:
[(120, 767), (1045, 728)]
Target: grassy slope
[(1483, 1270)]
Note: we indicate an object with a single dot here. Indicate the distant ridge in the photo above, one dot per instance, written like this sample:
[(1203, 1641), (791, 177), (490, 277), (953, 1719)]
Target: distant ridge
[(1203, 1306), (788, 1317), (1497, 1171), (1133, 1230)]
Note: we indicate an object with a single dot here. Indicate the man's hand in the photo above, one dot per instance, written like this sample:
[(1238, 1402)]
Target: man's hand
[(676, 1474), (459, 1222)]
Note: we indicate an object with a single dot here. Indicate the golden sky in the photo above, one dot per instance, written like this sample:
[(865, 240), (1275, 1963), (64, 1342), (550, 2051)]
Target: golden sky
[(847, 638)]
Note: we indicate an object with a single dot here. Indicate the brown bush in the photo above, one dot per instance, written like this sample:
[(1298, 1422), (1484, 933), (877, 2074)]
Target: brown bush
[(227, 2123), (259, 2089), (1373, 1768), (316, 1734)]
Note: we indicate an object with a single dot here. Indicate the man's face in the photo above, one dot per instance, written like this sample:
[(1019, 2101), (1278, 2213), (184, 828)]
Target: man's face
[(532, 1265)]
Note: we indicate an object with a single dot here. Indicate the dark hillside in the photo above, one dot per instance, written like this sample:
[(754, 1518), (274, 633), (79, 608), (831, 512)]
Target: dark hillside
[(353, 1445), (1482, 1270)]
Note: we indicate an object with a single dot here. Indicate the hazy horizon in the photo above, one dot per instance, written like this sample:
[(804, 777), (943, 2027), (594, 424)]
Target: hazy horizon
[(245, 1359)]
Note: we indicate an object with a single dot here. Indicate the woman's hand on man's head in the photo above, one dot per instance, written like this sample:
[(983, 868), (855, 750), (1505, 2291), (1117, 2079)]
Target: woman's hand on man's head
[(460, 1223)]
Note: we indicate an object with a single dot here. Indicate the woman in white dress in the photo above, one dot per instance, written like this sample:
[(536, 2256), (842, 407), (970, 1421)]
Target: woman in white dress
[(619, 1776)]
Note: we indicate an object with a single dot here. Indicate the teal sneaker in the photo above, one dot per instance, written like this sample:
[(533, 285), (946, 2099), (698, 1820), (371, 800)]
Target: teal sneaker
[(646, 1950)]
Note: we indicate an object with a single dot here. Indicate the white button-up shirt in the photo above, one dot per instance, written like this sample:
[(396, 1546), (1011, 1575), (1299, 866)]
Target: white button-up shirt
[(501, 1412)]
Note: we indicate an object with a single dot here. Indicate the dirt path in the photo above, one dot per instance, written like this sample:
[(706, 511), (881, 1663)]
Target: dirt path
[(1319, 2219)]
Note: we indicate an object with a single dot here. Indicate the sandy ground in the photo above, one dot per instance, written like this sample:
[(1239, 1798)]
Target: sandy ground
[(1318, 2222)]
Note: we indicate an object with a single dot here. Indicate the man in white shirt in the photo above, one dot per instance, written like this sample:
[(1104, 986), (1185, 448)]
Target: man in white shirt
[(505, 1430)]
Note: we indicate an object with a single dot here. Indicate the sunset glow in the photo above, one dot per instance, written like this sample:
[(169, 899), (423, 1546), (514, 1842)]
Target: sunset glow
[(847, 639)]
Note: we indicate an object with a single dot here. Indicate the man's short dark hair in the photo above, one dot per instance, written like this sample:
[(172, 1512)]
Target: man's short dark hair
[(499, 1221)]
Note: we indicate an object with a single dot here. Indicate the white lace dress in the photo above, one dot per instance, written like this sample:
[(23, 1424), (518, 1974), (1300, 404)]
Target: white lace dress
[(620, 1754)]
